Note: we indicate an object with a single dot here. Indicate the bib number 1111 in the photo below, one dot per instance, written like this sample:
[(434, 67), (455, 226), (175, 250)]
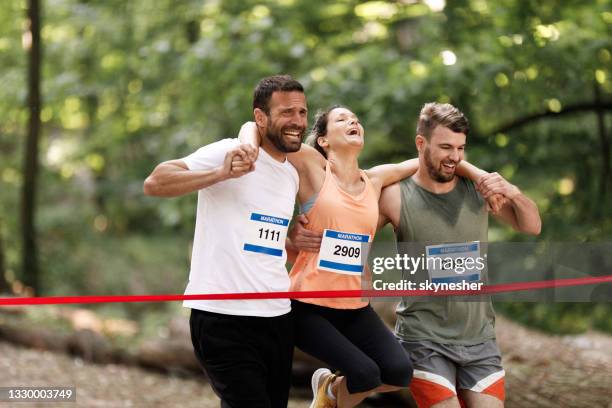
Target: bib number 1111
[(266, 234), (270, 234)]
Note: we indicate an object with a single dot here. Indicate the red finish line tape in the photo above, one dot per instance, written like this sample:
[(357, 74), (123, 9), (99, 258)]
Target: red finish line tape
[(486, 290)]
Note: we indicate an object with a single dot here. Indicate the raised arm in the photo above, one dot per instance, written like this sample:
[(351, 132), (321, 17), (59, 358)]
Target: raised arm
[(173, 178), (496, 201), (519, 210), (249, 134), (469, 171), (306, 156), (387, 174)]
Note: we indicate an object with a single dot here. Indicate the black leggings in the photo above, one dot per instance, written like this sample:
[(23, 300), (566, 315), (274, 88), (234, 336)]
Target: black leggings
[(354, 341)]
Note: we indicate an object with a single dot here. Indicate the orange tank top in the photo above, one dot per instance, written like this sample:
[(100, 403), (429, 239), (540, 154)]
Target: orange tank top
[(348, 217)]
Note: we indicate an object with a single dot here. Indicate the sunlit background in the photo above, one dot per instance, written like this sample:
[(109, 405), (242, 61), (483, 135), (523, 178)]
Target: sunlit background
[(126, 85)]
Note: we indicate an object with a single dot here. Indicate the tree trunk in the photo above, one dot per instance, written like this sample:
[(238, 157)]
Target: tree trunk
[(605, 150), (4, 285), (30, 166)]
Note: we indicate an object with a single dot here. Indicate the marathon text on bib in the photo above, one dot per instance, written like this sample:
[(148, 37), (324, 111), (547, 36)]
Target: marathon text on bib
[(266, 234), (342, 252), (454, 262)]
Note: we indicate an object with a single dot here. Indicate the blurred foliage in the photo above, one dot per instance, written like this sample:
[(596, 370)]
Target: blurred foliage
[(129, 84), (561, 317)]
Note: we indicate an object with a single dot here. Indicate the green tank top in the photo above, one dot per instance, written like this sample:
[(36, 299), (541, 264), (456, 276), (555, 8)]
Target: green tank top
[(426, 218)]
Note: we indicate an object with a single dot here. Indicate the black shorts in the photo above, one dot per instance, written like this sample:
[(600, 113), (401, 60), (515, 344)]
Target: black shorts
[(247, 359), (354, 341)]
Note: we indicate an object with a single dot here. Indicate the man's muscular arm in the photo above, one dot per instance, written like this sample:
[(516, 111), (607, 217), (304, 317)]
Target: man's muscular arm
[(173, 178), (519, 210), (386, 174), (495, 202), (389, 206)]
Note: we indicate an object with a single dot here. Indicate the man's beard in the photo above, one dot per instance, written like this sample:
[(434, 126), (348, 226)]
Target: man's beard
[(275, 136), (435, 173)]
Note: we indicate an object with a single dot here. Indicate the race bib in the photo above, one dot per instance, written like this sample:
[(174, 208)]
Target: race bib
[(266, 234), (342, 252), (454, 262)]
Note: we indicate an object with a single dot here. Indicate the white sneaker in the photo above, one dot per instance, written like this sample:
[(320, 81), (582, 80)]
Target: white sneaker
[(319, 383)]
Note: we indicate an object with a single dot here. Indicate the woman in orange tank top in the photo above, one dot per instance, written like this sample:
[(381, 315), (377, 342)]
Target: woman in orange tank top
[(343, 205)]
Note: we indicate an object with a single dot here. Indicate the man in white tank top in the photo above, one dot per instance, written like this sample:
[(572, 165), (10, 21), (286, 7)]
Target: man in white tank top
[(245, 202)]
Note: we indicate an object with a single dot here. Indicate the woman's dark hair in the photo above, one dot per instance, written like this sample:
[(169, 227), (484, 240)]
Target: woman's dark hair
[(319, 129)]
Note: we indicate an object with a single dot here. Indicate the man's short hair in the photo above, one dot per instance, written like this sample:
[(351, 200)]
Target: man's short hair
[(441, 114), (267, 86)]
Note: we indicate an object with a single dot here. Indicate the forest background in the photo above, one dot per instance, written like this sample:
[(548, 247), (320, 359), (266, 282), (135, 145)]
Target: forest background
[(96, 93)]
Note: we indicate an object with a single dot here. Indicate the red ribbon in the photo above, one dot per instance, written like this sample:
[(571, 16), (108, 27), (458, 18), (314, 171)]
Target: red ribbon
[(486, 290)]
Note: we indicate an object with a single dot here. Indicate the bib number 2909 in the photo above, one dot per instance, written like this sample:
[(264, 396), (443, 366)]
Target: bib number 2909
[(351, 252), (343, 252)]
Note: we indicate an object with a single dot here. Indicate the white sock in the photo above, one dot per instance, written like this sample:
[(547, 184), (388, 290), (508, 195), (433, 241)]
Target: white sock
[(329, 392)]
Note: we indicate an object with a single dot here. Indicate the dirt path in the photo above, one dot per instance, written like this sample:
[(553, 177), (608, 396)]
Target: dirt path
[(541, 371), (555, 371), (106, 386)]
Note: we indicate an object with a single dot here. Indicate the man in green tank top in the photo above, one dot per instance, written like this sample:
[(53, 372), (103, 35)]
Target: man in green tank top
[(451, 341)]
